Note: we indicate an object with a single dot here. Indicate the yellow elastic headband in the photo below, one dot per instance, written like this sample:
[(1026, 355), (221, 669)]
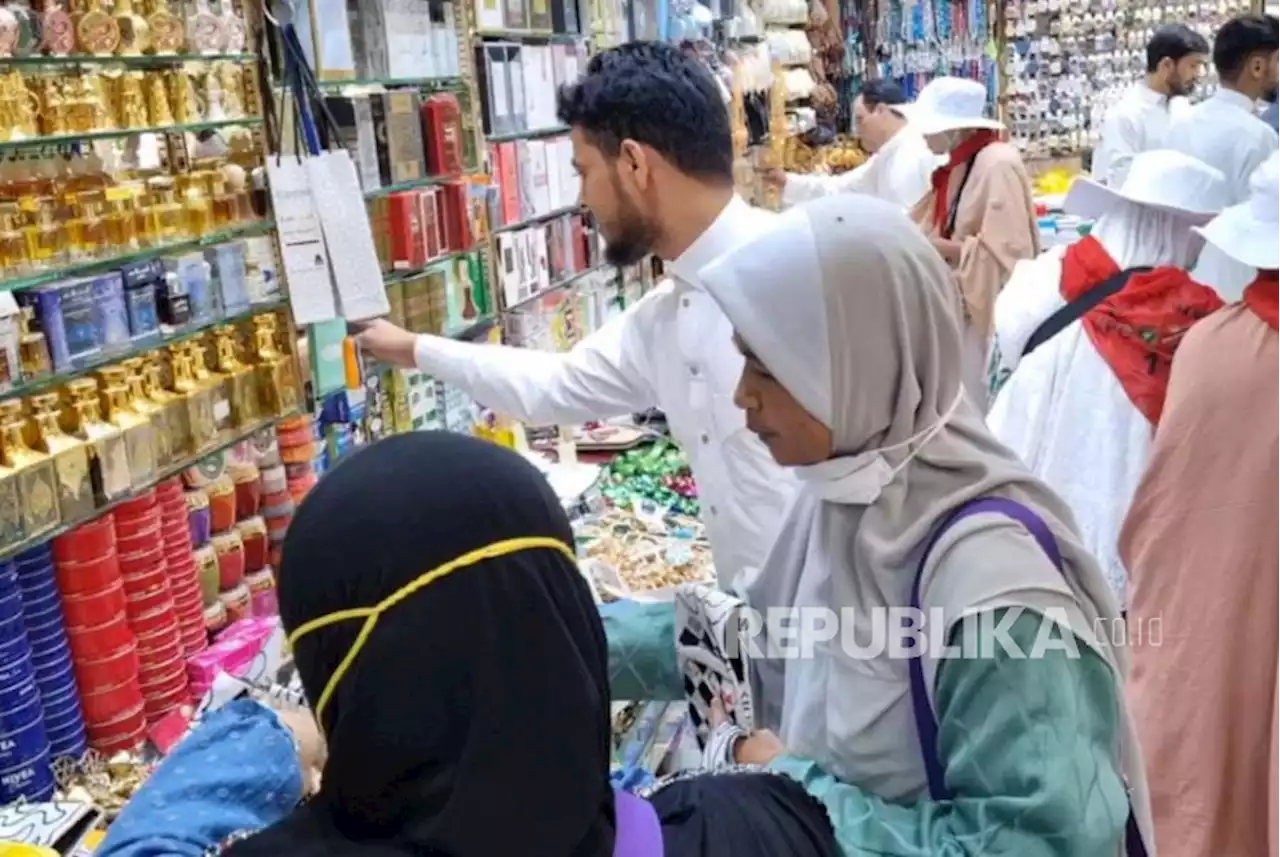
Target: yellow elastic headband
[(370, 614)]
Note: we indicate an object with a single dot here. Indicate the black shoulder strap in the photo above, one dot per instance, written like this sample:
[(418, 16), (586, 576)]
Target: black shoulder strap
[(1075, 310), (955, 203)]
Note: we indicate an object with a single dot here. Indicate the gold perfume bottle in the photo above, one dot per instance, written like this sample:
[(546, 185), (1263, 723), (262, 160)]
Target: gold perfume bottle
[(171, 404), (13, 244), (47, 243), (168, 36), (138, 431), (135, 375), (70, 457), (33, 348), (226, 205), (36, 493), (242, 390), (214, 382), (198, 208), (97, 32), (198, 400), (108, 458), (277, 378), (159, 111), (135, 33), (131, 100), (121, 221), (166, 213), (87, 228)]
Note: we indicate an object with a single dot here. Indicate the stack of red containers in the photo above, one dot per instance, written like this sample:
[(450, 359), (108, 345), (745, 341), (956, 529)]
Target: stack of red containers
[(184, 578), (104, 650), (149, 606)]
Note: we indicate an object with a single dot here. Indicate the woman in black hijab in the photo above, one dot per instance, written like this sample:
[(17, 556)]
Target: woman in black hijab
[(468, 715)]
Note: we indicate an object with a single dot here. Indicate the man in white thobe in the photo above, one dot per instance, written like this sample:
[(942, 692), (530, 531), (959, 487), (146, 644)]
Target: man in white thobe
[(652, 143), (1224, 131), (900, 165), (1139, 121)]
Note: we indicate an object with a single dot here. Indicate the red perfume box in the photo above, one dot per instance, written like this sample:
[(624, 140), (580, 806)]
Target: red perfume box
[(442, 131), (408, 251)]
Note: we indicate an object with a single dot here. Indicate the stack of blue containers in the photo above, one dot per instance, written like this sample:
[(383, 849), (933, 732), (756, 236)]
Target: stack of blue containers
[(50, 654), (25, 764)]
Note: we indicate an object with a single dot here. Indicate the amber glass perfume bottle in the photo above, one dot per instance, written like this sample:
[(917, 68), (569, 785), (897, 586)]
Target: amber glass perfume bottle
[(70, 457), (149, 408), (172, 405), (138, 431), (165, 213), (33, 348), (241, 386), (37, 496), (88, 228), (109, 460), (198, 398), (47, 243), (277, 380), (13, 244)]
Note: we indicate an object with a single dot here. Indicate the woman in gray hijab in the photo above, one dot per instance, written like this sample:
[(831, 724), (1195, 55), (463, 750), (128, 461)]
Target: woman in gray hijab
[(1014, 741)]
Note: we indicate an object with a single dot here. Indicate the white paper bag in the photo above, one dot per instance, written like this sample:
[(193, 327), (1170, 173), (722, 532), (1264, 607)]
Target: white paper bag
[(302, 247), (345, 222)]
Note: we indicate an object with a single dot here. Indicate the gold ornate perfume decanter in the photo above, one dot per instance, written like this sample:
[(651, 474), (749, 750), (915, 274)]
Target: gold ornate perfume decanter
[(198, 398), (37, 497), (135, 33), (151, 409), (139, 433), (175, 407), (277, 378), (241, 385), (109, 460), (214, 382), (70, 457), (97, 32), (168, 36)]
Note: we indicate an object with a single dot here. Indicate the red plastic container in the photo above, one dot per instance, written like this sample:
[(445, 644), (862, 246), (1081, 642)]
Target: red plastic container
[(158, 650), (97, 641), (142, 560), (86, 542), (87, 576), (104, 705), (86, 609), (155, 622), (115, 669), (145, 581), (136, 507), (125, 731), (150, 600)]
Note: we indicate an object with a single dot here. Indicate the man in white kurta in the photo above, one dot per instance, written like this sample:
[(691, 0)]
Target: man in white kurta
[(1140, 120), (1224, 131), (1062, 407), (669, 192), (900, 165)]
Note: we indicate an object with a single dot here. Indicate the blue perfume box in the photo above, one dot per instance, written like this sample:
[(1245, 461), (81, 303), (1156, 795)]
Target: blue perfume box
[(227, 262), (140, 282), (70, 322), (113, 313)]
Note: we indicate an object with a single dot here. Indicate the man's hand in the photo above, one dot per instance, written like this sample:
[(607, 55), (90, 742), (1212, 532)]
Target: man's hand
[(388, 343), (774, 177)]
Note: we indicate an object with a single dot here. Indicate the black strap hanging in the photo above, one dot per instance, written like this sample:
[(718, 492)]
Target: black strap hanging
[(1074, 310)]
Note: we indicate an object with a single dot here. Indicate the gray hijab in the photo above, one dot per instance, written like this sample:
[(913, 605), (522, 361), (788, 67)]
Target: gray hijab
[(852, 310)]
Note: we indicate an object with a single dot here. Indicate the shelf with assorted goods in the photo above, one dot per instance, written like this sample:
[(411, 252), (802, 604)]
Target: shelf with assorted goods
[(146, 358)]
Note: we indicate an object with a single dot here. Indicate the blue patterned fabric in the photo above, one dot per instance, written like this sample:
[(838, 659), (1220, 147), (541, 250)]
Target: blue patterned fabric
[(642, 651), (237, 771)]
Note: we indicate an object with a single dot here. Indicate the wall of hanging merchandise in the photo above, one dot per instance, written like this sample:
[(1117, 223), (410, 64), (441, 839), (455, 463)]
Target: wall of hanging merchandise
[(1066, 61), (915, 42), (144, 338)]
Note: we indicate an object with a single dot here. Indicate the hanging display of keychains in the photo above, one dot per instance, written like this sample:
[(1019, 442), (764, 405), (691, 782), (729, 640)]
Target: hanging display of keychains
[(1067, 61), (918, 41)]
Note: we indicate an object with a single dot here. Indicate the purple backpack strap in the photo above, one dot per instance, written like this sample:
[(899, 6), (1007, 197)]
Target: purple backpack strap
[(639, 833), (926, 723)]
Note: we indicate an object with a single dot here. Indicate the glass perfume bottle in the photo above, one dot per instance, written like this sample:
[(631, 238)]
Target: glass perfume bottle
[(277, 378), (138, 431), (70, 457), (242, 391), (226, 205), (166, 213), (108, 457), (47, 243), (175, 407), (168, 36), (37, 497), (121, 222), (13, 244), (141, 402), (97, 32), (198, 398), (135, 33), (33, 348), (87, 228), (214, 382), (199, 210)]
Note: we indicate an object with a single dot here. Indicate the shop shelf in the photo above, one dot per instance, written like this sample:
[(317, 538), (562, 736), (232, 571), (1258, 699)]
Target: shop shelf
[(64, 139), (529, 134), (443, 82), (425, 181), (92, 266), (563, 282), (145, 61), (169, 338), (396, 276), (541, 218), (172, 470), (529, 35)]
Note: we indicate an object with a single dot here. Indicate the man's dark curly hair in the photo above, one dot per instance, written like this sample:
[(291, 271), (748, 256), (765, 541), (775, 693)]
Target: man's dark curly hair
[(652, 93)]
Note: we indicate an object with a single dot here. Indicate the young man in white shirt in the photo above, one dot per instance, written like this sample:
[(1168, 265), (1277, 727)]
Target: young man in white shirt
[(1224, 131), (652, 143), (900, 165), (1139, 121)]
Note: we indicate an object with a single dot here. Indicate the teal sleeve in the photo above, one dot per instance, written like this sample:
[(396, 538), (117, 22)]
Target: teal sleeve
[(642, 651), (1028, 749)]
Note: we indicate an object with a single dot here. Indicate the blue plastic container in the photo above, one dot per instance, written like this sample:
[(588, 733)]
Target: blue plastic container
[(32, 780)]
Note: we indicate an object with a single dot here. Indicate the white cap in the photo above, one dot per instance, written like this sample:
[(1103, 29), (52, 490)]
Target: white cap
[(1250, 232), (1160, 178), (949, 104)]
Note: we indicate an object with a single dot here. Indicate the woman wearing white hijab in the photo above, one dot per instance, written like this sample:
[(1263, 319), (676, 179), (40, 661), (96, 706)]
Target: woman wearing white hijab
[(851, 331), (1085, 337)]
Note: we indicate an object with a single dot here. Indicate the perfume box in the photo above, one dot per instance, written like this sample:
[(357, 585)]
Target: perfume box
[(507, 171), (196, 282), (260, 269), (380, 224), (537, 69), (536, 170), (417, 304), (565, 17), (140, 281), (478, 268), (540, 17), (515, 86), (172, 301), (538, 256), (432, 222), (506, 269), (10, 337), (227, 262), (398, 130), (70, 322), (492, 59), (442, 132), (526, 151), (556, 247), (438, 295), (113, 313), (354, 116), (395, 302), (323, 28), (408, 250), (490, 15), (516, 14), (457, 231), (477, 209)]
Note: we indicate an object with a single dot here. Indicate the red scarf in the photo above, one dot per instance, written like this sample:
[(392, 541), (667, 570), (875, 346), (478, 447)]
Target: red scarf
[(1138, 329), (1262, 297), (961, 154)]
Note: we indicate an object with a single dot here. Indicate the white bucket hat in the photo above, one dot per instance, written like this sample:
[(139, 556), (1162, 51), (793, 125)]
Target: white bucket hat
[(949, 104), (1250, 232), (1160, 178)]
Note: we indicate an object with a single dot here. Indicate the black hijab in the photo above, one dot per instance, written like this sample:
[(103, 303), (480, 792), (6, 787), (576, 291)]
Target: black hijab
[(474, 722)]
